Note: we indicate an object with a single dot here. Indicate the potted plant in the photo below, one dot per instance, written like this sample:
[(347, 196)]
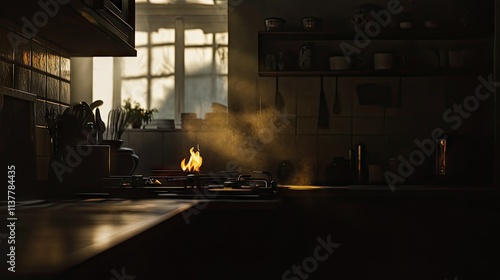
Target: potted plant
[(138, 115)]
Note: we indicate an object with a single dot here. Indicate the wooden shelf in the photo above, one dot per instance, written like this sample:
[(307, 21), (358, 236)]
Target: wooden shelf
[(411, 34), (371, 73)]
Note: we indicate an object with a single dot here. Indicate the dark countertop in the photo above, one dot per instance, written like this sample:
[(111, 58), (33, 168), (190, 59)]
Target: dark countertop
[(54, 237), (51, 237), (385, 190)]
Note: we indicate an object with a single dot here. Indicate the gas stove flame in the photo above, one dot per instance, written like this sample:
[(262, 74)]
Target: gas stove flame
[(194, 163)]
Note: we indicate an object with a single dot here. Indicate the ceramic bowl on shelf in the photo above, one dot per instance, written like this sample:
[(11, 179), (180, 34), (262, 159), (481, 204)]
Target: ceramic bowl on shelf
[(274, 24), (431, 23), (311, 23), (406, 25)]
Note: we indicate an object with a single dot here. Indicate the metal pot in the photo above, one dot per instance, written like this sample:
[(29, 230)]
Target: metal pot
[(274, 24), (311, 23)]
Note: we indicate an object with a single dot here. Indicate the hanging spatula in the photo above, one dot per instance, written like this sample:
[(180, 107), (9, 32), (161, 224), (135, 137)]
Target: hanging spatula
[(323, 116), (279, 101)]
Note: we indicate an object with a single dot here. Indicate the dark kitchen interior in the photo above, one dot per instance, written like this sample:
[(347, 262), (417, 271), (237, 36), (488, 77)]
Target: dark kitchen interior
[(321, 139)]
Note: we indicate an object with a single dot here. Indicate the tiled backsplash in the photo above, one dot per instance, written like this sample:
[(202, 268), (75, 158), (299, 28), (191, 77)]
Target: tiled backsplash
[(37, 67), (386, 132)]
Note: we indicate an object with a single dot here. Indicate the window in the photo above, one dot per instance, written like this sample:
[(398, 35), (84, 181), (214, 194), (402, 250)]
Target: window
[(181, 64)]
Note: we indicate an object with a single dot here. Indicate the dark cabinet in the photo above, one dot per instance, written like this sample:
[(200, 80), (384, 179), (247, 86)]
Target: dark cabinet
[(80, 27)]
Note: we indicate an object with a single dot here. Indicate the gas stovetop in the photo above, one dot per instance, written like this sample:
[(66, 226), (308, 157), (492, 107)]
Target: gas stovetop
[(178, 184)]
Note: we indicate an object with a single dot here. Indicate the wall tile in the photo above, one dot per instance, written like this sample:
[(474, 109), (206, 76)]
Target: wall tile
[(53, 62), (306, 160), (338, 125), (6, 74), (39, 84), (65, 93), (39, 56), (368, 126), (53, 106), (65, 68), (333, 146), (287, 125), (308, 105), (22, 54), (266, 91), (283, 147), (400, 145), (6, 47), (308, 97), (307, 125), (22, 78), (53, 89), (287, 88), (40, 112), (368, 110)]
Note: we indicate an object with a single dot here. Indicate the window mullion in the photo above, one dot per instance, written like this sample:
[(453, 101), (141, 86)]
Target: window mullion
[(179, 69)]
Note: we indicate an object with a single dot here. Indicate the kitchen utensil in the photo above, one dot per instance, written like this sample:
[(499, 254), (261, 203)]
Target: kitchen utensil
[(89, 115), (361, 164), (274, 23), (336, 102), (305, 56), (96, 104), (101, 127), (323, 121), (111, 127), (279, 102), (311, 23)]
